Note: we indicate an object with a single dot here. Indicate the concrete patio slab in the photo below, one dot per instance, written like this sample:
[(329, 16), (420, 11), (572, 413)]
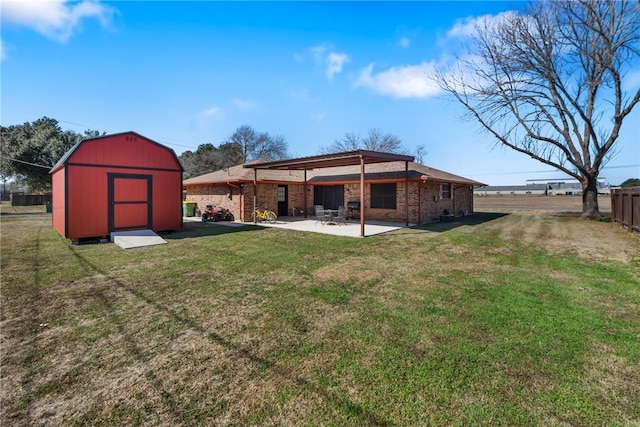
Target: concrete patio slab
[(347, 229)]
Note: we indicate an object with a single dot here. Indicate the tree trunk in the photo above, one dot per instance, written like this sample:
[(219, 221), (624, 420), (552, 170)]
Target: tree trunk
[(590, 198)]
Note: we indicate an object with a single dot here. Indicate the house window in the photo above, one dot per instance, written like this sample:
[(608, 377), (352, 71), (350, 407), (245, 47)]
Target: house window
[(445, 191), (329, 196), (383, 196), (282, 194)]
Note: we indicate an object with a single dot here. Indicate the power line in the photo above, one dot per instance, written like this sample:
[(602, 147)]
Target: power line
[(176, 144), (621, 167), (26, 163), (74, 123), (550, 170)]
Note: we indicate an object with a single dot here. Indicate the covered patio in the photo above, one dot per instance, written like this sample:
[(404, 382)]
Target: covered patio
[(349, 158)]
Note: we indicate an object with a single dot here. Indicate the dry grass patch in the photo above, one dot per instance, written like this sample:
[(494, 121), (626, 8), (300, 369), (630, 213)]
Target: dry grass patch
[(567, 235), (360, 269), (615, 377)]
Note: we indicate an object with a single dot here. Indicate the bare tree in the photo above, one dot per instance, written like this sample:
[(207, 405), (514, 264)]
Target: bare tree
[(258, 145), (549, 83), (420, 154), (376, 140)]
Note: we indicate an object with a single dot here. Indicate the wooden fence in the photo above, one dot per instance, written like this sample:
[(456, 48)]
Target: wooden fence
[(21, 199), (625, 208)]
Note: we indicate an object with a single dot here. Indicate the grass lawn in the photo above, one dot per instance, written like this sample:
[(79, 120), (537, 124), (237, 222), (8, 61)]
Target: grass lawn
[(516, 319)]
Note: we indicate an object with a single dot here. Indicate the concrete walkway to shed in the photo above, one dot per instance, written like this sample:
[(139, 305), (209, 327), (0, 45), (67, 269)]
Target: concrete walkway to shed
[(136, 239)]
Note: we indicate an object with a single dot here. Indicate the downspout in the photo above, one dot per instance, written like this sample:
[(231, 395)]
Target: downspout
[(420, 193), (453, 200), (406, 193), (241, 197), (423, 190)]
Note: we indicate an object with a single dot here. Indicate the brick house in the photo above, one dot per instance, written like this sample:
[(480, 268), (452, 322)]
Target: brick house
[(396, 191)]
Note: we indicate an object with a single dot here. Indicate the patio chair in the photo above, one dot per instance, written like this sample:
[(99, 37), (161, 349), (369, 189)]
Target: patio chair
[(340, 218), (319, 212)]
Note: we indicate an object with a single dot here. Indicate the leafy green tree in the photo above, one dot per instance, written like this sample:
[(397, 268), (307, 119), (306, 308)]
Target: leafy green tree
[(631, 182), (30, 150), (548, 83), (208, 158)]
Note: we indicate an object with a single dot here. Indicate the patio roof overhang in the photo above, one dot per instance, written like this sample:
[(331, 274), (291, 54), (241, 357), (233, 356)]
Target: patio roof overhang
[(347, 158)]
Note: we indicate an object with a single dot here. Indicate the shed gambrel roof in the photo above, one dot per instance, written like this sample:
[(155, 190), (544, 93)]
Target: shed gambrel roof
[(63, 160)]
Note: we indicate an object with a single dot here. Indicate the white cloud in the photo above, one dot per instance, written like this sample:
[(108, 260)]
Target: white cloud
[(416, 81), (318, 52), (332, 61), (245, 104), (409, 81), (3, 54), (335, 61), (55, 19), (467, 27), (210, 113)]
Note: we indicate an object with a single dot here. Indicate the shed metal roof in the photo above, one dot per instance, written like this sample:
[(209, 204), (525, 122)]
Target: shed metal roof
[(346, 158)]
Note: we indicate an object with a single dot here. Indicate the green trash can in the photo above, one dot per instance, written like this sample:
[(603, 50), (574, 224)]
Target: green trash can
[(188, 209), (47, 207)]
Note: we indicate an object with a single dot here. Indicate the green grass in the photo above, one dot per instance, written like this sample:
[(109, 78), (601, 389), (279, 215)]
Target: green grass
[(441, 325)]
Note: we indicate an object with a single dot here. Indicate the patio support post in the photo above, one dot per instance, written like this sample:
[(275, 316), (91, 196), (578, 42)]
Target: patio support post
[(255, 198), (306, 202), (362, 207), (453, 199), (406, 193)]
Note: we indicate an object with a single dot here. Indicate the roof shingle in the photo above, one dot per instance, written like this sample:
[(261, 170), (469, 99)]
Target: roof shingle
[(373, 172)]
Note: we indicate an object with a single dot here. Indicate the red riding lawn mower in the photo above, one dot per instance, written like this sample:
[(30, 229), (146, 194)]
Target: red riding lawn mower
[(216, 213)]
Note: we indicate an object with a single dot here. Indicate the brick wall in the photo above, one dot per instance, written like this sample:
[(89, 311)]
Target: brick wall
[(425, 201), (217, 195), (463, 200), (296, 200), (433, 205)]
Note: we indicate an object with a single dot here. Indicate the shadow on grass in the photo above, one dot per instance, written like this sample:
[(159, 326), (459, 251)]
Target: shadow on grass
[(192, 230), (3, 213), (242, 353), (35, 345), (475, 219)]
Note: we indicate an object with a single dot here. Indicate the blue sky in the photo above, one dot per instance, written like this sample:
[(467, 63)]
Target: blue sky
[(188, 73)]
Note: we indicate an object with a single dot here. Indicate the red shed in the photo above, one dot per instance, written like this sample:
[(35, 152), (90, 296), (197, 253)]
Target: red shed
[(116, 182)]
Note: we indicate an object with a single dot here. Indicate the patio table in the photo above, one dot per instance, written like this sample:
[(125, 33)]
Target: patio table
[(330, 216)]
